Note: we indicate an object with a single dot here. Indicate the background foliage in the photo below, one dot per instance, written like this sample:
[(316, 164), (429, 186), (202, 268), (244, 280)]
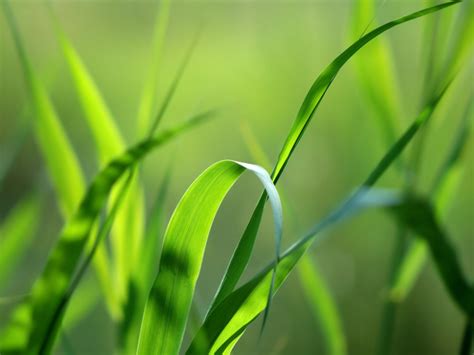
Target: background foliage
[(254, 62)]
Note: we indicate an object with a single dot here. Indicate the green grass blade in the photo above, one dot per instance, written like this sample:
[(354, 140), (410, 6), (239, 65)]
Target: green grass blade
[(316, 291), (58, 313), (31, 319), (99, 119), (418, 215), (322, 306), (172, 89), (381, 91), (322, 83), (169, 302), (461, 45), (443, 190), (242, 306), (17, 231), (96, 111), (146, 108), (144, 272), (63, 166), (244, 249)]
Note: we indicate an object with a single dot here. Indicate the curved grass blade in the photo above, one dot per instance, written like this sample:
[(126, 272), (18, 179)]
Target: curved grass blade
[(236, 311), (17, 231), (316, 291), (62, 163), (31, 319), (322, 305), (169, 301), (244, 249)]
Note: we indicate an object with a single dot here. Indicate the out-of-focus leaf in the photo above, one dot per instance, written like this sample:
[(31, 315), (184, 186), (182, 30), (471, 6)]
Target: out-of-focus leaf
[(419, 216), (381, 90), (85, 297), (461, 45), (63, 166), (169, 302), (29, 329), (128, 228), (102, 233), (443, 190), (322, 306), (144, 272), (149, 94), (16, 232), (317, 91)]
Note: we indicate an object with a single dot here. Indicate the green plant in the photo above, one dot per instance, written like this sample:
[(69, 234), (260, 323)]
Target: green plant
[(151, 304)]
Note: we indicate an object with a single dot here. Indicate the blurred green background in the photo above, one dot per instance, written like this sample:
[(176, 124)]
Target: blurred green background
[(254, 62)]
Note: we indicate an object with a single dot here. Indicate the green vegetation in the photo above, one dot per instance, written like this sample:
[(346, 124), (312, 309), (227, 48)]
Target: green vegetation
[(145, 276)]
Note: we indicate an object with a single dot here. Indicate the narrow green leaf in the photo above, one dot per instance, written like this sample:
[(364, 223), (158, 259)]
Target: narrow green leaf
[(461, 45), (443, 190), (27, 330), (63, 166), (95, 109), (381, 90), (233, 314), (169, 302), (58, 313), (99, 118), (17, 231), (418, 215), (243, 251), (144, 272), (146, 108), (322, 305)]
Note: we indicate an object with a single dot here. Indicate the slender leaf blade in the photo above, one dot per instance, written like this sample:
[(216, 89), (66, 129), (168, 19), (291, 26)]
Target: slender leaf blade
[(32, 318), (244, 249), (169, 302)]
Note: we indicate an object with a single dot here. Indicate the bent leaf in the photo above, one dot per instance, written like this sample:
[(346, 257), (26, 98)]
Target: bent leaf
[(169, 302), (234, 313), (243, 251), (27, 331)]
